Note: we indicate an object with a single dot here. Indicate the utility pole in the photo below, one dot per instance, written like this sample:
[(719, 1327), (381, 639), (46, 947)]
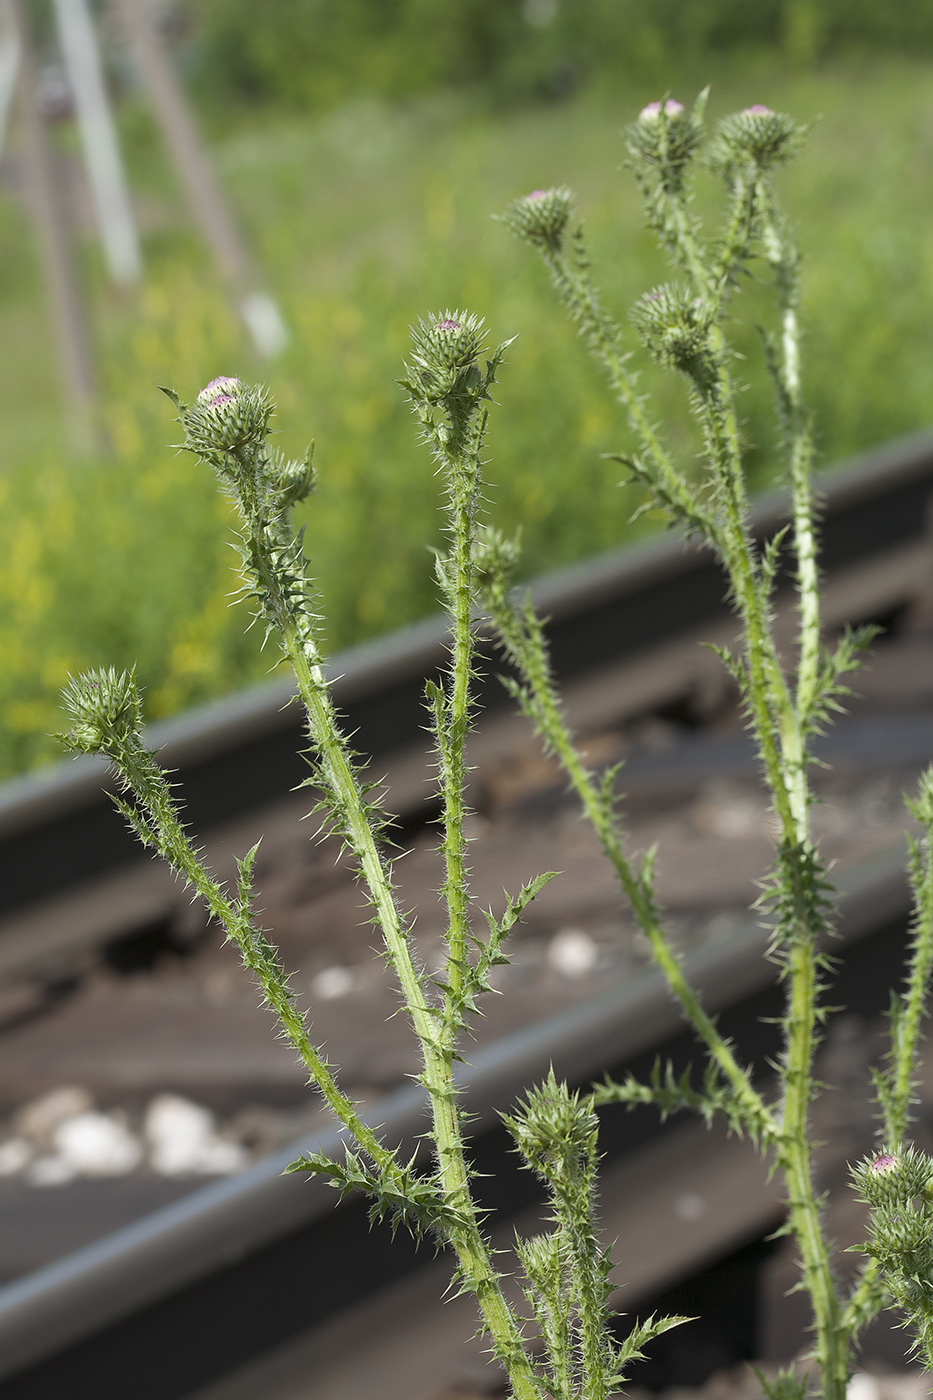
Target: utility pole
[(9, 70), (113, 207), (54, 246), (99, 139), (196, 173)]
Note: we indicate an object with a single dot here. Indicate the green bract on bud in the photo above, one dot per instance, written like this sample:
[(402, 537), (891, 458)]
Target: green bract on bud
[(675, 324), (541, 217), (445, 349), (227, 415), (554, 1128), (921, 806), (292, 481), (495, 558), (105, 709), (666, 135), (756, 135)]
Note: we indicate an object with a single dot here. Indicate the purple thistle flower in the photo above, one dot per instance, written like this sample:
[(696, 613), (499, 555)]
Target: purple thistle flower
[(537, 194), (225, 387), (884, 1164), (758, 110), (448, 325), (650, 113)]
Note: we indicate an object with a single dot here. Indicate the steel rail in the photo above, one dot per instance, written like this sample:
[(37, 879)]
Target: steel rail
[(59, 832), (213, 1281), (223, 1276)]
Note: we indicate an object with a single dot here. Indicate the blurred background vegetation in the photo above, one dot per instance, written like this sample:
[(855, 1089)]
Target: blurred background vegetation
[(363, 145)]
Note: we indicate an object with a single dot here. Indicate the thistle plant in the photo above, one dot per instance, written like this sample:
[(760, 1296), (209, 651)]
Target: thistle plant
[(684, 327), (448, 380), (566, 1347)]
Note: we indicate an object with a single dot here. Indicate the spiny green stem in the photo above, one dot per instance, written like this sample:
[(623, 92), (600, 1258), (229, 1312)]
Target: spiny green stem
[(150, 787), (781, 739), (525, 645), (782, 255), (463, 473), (467, 1240), (795, 1157), (706, 287), (771, 701), (866, 1300), (584, 1268), (578, 295), (769, 697), (735, 240), (786, 773), (906, 1027)]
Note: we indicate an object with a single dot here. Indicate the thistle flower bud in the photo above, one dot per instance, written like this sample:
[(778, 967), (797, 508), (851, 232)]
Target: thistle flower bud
[(921, 806), (666, 136), (227, 415), (758, 135), (893, 1180), (444, 353), (496, 558), (554, 1128), (541, 217), (671, 108), (675, 324), (292, 481), (225, 388), (106, 710)]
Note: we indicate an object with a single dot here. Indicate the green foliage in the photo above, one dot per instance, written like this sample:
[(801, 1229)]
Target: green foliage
[(786, 1385), (363, 216), (670, 1093), (406, 1198), (568, 1274), (556, 1133), (312, 54)]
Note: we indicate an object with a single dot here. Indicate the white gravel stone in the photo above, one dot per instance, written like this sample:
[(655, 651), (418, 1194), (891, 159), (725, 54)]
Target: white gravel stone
[(862, 1386), (39, 1119), (15, 1153), (50, 1171), (572, 952), (183, 1140), (331, 983), (690, 1207), (97, 1144)]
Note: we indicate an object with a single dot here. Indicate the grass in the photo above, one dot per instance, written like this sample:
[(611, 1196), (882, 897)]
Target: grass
[(364, 220)]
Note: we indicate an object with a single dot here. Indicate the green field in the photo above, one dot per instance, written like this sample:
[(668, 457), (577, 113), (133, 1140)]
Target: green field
[(365, 219)]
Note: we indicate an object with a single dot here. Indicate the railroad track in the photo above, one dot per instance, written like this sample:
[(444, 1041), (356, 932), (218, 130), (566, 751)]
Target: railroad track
[(624, 636), (218, 1281)]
